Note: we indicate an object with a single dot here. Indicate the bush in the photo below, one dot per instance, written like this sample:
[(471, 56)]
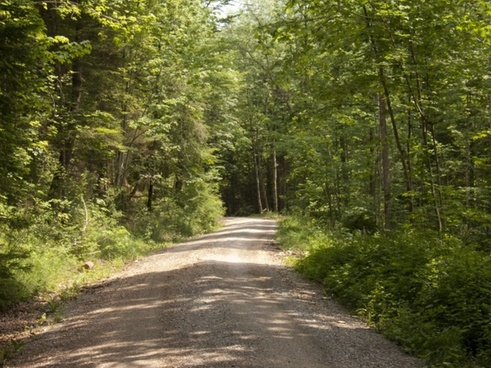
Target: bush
[(11, 290), (45, 255), (196, 210), (103, 237), (29, 265), (430, 293), (43, 250)]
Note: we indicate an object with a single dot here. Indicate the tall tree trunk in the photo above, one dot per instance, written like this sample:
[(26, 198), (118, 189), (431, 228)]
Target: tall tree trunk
[(409, 163), (373, 184), (388, 101), (438, 186), (121, 156), (434, 194), (263, 182), (67, 129), (469, 165), (258, 182), (275, 180), (150, 195), (427, 131), (332, 211), (345, 172), (395, 130), (386, 182)]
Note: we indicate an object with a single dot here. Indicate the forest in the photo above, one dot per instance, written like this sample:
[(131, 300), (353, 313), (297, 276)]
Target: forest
[(126, 125)]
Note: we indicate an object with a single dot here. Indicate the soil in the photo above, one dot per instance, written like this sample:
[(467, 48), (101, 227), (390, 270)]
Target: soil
[(224, 300)]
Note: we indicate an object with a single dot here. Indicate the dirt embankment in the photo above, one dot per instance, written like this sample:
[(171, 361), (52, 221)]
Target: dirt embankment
[(224, 300)]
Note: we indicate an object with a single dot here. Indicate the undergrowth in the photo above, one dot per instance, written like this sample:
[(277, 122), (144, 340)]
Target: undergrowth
[(44, 254), (50, 250), (428, 292)]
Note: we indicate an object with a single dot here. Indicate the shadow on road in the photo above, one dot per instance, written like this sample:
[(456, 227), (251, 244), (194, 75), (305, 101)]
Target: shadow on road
[(212, 313)]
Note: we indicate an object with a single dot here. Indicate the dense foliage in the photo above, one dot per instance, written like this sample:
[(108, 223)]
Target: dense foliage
[(367, 114), (429, 293), (122, 123), (376, 117), (108, 133)]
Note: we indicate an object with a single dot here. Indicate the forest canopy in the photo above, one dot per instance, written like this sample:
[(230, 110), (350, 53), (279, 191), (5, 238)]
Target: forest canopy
[(125, 124)]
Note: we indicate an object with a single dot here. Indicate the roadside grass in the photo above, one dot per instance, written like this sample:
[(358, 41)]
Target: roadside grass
[(429, 293), (50, 259), (267, 215)]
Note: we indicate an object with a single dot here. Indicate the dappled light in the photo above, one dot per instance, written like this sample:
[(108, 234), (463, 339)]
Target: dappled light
[(221, 300), (128, 126)]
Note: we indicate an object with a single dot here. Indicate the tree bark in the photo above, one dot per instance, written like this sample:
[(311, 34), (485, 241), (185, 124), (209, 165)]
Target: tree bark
[(275, 180), (386, 181), (258, 183), (150, 196)]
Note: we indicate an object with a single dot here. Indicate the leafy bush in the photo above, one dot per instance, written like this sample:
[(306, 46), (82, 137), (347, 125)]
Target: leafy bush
[(11, 289), (46, 253), (29, 265), (103, 237), (43, 250), (195, 211), (298, 233), (428, 292)]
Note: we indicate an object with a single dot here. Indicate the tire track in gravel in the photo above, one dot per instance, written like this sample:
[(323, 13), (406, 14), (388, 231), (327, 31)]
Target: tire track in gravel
[(223, 300)]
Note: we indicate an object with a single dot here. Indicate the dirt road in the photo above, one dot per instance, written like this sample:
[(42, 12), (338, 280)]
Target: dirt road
[(224, 300)]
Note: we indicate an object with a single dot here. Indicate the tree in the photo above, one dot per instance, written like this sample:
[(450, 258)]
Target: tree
[(262, 109), (22, 100), (390, 69)]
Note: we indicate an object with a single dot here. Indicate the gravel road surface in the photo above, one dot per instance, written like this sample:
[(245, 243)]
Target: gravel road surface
[(223, 300)]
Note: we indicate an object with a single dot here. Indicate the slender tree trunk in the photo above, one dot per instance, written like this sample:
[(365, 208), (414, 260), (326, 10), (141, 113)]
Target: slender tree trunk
[(426, 131), (388, 102), (409, 163), (373, 184), (275, 180), (438, 192), (258, 183), (332, 214), (150, 196), (431, 174), (345, 173), (67, 132), (122, 156), (469, 166), (264, 192), (386, 182), (395, 129), (338, 195)]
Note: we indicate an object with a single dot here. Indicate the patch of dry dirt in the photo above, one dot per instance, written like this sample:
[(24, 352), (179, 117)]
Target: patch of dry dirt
[(224, 300)]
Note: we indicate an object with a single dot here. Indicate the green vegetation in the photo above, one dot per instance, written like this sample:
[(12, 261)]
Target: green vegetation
[(48, 256), (372, 125), (429, 293), (107, 135), (125, 125)]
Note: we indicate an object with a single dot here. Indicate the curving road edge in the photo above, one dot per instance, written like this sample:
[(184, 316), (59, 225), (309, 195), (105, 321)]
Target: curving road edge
[(223, 300)]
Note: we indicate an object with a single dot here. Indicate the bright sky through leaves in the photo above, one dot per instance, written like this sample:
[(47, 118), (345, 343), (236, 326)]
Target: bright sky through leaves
[(231, 8)]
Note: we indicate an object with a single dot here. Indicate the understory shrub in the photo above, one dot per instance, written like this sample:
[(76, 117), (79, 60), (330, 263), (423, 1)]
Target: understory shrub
[(196, 210), (102, 236), (43, 250), (43, 253), (430, 293), (30, 264), (10, 261), (298, 233)]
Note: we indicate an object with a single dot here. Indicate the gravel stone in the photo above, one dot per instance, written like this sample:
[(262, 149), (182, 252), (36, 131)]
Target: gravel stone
[(223, 300)]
